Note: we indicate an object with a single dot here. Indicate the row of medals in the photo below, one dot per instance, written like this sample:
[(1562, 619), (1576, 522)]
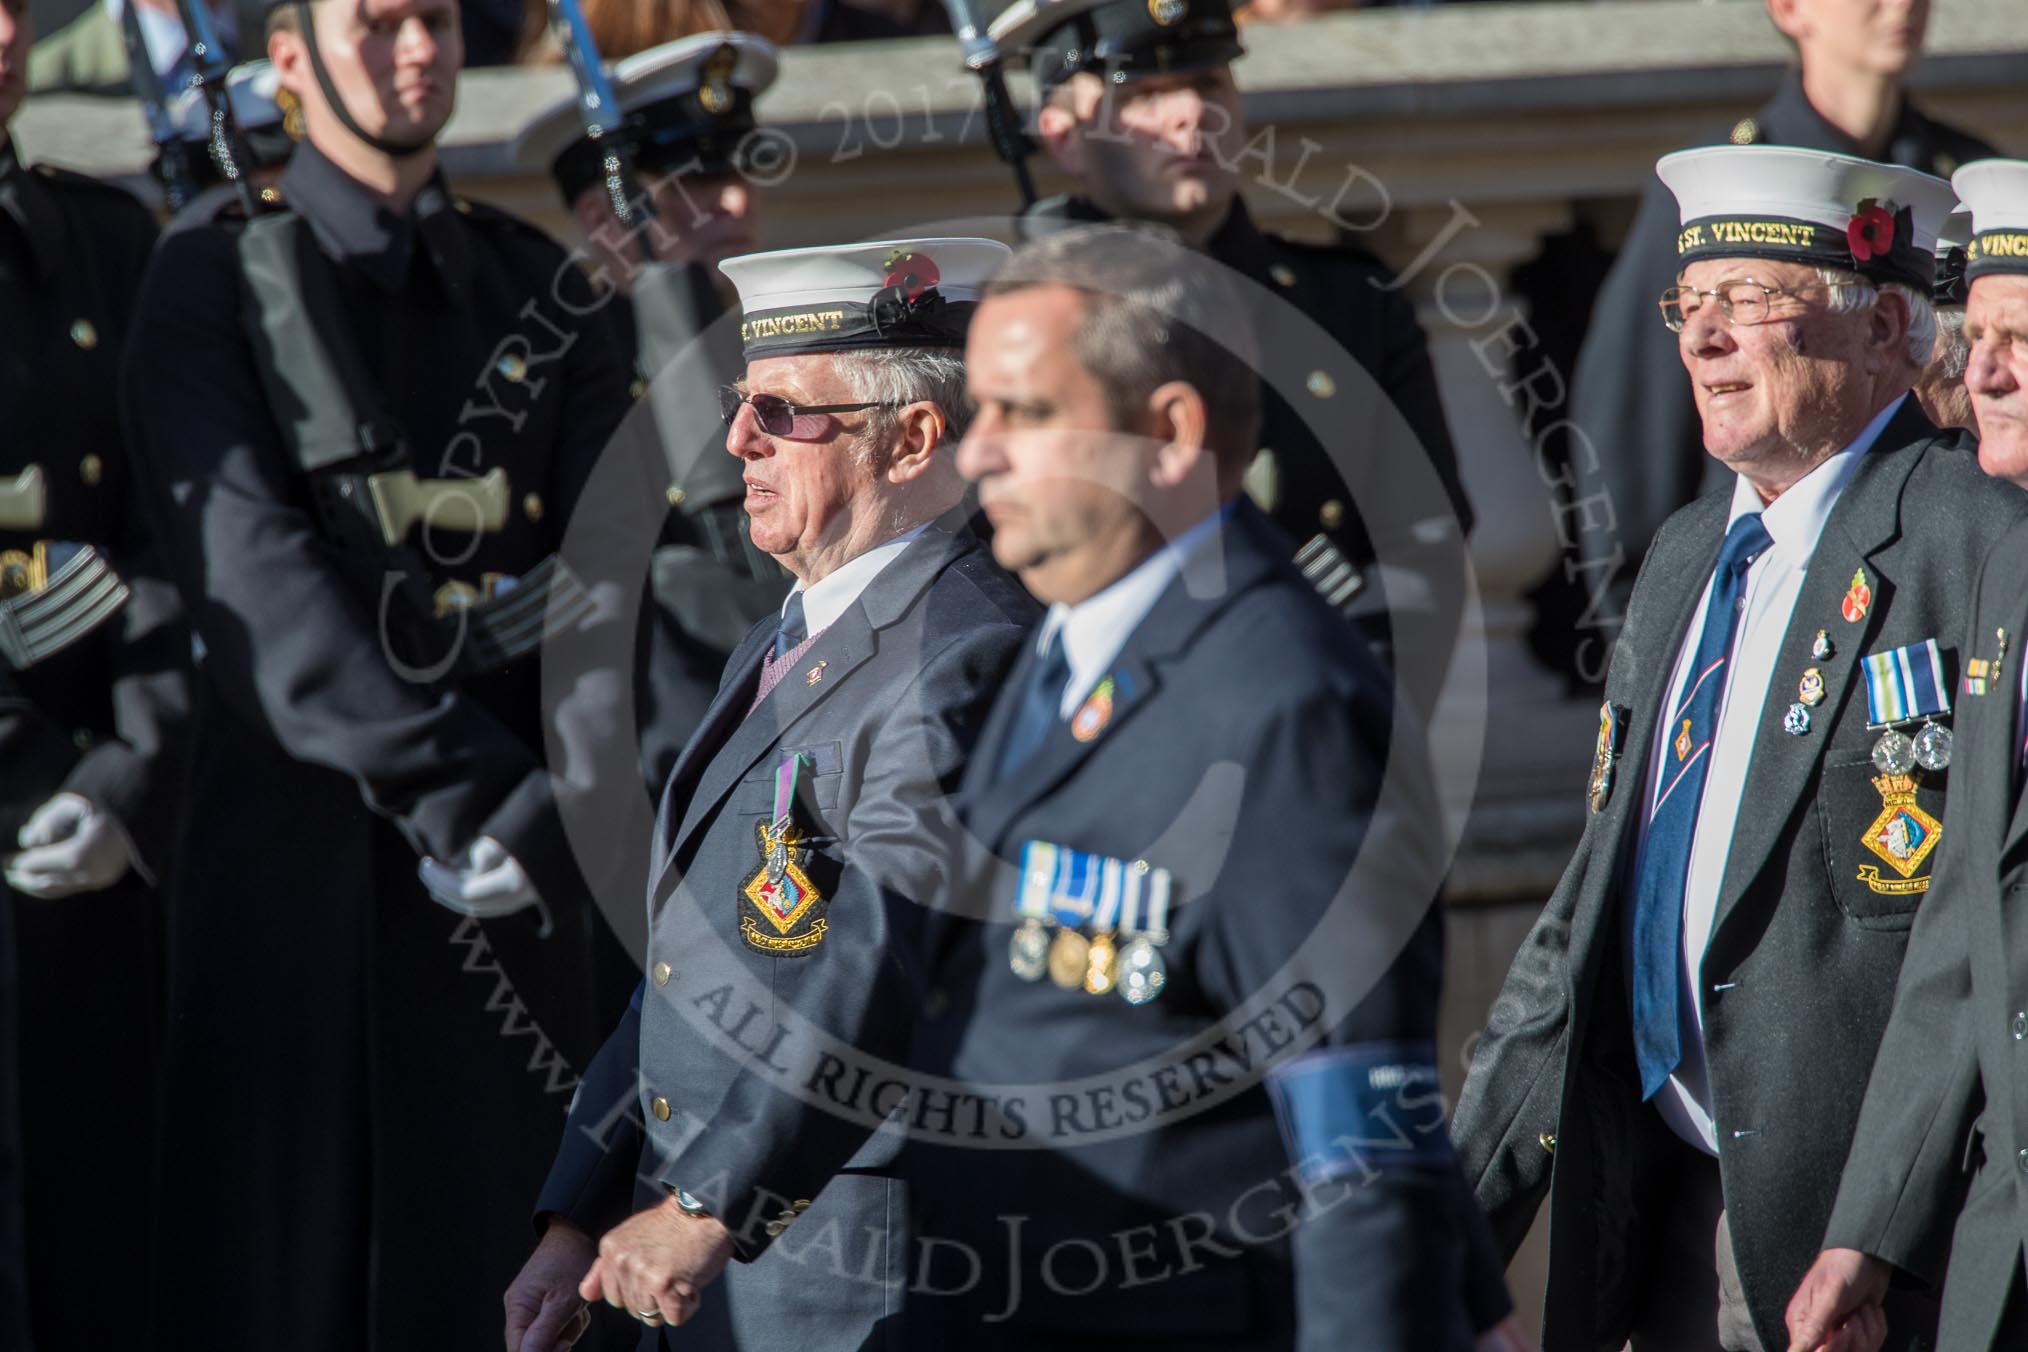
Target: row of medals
[(1097, 965), (1896, 753)]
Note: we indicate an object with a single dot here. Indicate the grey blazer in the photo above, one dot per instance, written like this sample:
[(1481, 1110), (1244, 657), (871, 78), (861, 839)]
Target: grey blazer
[(1802, 950), (1944, 1119), (722, 1080)]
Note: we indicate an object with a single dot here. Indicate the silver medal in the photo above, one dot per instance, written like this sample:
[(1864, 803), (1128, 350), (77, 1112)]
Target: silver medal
[(1141, 972), (1893, 754), (778, 860), (1796, 721), (1933, 747), (1028, 951)]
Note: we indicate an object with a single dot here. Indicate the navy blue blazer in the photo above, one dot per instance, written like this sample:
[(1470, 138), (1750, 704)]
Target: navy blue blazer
[(1111, 1174)]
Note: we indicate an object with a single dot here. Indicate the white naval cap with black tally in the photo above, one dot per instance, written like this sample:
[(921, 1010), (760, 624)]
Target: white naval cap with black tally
[(842, 297), (1808, 206), (1997, 193)]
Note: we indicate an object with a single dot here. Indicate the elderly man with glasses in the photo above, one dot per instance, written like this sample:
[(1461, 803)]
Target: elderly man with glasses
[(1680, 1050), (801, 838)]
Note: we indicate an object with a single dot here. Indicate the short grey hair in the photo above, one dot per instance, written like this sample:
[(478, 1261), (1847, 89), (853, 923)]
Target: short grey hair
[(1851, 293), (1154, 312), (1953, 354), (907, 375)]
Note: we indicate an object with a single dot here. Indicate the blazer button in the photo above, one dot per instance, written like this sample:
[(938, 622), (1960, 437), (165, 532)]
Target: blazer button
[(660, 1107), (661, 973), (2021, 1158), (2020, 1026), (1547, 1140)]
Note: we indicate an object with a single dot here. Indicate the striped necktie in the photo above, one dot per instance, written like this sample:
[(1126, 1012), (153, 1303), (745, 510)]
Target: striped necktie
[(1665, 862)]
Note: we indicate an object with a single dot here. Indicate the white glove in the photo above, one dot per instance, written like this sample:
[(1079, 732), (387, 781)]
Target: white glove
[(485, 882), (69, 846)]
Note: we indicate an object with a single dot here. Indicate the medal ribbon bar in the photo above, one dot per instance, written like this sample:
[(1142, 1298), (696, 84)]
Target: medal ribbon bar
[(1905, 684)]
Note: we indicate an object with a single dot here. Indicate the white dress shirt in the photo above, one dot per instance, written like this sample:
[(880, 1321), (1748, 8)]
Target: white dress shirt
[(832, 594), (1096, 628), (1794, 521)]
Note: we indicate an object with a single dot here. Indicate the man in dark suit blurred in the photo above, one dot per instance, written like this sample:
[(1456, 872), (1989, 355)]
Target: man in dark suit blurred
[(1932, 1192), (1677, 1057), (1177, 1044), (1639, 437)]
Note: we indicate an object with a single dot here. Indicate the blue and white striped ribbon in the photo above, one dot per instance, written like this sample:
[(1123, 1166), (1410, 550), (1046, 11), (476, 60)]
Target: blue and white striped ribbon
[(1072, 887), (1906, 683)]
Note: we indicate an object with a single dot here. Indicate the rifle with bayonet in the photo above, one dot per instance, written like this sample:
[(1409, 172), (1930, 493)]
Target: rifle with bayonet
[(213, 71), (176, 161), (604, 120), (1003, 124)]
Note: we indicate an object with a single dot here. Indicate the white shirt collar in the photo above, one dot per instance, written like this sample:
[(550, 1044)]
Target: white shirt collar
[(1796, 518), (1096, 628), (832, 594)]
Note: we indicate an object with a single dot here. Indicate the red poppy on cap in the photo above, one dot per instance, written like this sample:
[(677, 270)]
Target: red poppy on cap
[(912, 273), (1870, 232)]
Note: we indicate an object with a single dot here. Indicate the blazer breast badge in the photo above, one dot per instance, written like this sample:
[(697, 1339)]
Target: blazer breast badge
[(1902, 836), (783, 913)]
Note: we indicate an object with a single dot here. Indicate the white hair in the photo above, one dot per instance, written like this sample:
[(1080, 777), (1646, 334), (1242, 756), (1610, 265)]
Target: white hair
[(908, 375), (1953, 353), (1851, 293)]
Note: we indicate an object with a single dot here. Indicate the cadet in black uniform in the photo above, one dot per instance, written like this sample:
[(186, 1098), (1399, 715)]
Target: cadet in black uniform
[(692, 136), (1641, 439), (1140, 105), (366, 420), (92, 688)]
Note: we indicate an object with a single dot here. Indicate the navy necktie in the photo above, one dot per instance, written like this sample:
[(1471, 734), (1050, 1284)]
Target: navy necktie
[(1041, 707), (794, 627), (1665, 867)]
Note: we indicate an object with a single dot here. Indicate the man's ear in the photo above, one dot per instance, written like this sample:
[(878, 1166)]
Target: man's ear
[(1788, 19), (922, 428), (1887, 326), (1180, 420), (593, 212), (1062, 137), (290, 56)]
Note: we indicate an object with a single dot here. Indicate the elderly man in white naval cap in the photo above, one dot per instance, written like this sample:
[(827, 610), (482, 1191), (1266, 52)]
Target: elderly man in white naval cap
[(801, 836), (1996, 312), (1677, 1057), (1932, 1191), (1941, 386)]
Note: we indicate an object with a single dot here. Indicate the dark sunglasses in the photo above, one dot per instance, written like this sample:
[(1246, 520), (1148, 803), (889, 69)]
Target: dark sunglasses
[(776, 415)]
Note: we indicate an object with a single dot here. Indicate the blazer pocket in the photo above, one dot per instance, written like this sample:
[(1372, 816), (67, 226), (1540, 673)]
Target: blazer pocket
[(816, 788), (1881, 836)]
